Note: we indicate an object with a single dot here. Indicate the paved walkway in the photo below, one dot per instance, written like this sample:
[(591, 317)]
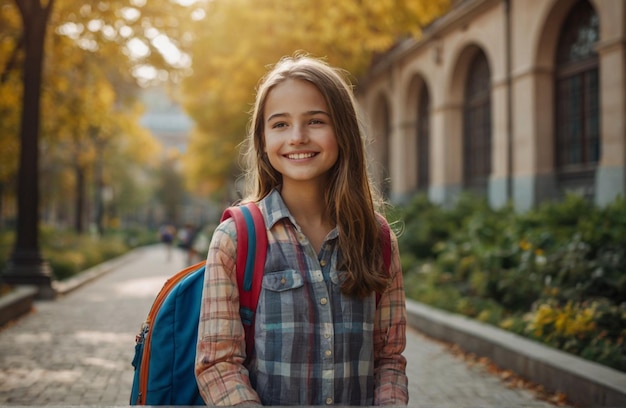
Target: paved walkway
[(77, 349)]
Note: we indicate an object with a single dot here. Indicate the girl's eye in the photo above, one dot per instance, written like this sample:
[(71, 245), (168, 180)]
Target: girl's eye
[(316, 122), (278, 125)]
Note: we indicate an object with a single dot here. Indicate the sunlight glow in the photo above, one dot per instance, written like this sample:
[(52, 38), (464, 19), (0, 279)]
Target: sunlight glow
[(125, 31), (95, 25), (88, 44), (146, 72), (168, 49), (151, 32), (109, 32), (198, 14), (71, 30), (130, 14), (138, 49)]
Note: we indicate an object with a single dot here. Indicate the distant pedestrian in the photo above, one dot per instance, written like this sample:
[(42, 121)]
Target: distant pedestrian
[(167, 233), (185, 237), (321, 337)]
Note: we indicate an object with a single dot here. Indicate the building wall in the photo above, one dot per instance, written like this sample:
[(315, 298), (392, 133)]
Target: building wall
[(519, 40)]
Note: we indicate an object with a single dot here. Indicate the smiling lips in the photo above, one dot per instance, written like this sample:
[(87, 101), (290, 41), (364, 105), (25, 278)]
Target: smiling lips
[(300, 156)]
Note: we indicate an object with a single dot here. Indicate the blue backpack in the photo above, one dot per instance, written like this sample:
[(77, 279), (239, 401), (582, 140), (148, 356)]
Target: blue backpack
[(165, 348)]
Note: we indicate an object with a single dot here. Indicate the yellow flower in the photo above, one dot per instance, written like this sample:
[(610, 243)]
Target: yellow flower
[(507, 323), (525, 245), (544, 316)]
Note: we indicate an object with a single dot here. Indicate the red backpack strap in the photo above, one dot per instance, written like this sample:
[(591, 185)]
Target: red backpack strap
[(385, 241), (251, 253), (242, 238)]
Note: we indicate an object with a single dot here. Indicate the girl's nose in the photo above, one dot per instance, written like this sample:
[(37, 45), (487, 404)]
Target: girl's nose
[(299, 135)]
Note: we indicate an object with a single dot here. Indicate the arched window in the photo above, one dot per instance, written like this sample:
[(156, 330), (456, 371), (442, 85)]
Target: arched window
[(423, 139), (477, 126), (577, 99)]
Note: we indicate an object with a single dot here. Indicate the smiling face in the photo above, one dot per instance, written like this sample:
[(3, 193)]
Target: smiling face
[(299, 134)]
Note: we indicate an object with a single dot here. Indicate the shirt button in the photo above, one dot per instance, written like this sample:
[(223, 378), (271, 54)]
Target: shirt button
[(327, 335), (322, 263), (328, 353), (329, 401), (323, 301), (283, 281)]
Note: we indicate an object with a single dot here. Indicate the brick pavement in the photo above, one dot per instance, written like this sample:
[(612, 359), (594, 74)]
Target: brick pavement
[(77, 349)]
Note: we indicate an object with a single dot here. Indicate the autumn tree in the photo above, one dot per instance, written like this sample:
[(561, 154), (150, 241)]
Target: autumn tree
[(93, 27), (238, 39)]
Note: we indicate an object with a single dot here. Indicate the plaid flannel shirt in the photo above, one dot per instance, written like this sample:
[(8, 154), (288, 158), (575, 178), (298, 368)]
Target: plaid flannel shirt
[(313, 345)]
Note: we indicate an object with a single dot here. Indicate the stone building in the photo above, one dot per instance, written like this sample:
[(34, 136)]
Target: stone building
[(165, 119), (521, 100)]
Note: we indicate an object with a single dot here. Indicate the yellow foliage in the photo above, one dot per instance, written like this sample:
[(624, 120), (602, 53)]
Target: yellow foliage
[(484, 316), (88, 62), (572, 320), (10, 96), (238, 39), (507, 323), (525, 245), (141, 146), (10, 92)]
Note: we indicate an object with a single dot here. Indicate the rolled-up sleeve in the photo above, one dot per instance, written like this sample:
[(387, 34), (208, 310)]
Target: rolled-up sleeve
[(390, 339), (222, 378)]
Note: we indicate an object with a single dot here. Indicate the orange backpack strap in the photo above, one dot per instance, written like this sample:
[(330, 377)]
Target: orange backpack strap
[(251, 253)]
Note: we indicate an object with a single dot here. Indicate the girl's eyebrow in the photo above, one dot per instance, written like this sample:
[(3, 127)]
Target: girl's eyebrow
[(277, 115), (317, 112), (307, 113)]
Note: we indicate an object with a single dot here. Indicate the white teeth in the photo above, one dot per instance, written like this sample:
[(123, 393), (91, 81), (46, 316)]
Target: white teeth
[(300, 156)]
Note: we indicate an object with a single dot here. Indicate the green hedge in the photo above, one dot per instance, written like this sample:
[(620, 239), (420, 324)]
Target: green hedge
[(69, 253), (556, 274)]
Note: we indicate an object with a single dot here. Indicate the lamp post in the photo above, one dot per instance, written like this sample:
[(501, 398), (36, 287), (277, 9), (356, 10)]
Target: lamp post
[(26, 265)]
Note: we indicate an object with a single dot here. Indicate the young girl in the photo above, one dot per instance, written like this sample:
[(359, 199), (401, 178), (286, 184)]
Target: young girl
[(321, 337)]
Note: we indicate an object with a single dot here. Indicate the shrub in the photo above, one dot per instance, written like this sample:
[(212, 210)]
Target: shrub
[(556, 273), (424, 225), (69, 253)]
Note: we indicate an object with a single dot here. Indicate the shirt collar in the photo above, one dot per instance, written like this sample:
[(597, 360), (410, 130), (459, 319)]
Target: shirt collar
[(276, 209)]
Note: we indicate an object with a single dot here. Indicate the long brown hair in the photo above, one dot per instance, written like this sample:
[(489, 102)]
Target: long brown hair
[(350, 201)]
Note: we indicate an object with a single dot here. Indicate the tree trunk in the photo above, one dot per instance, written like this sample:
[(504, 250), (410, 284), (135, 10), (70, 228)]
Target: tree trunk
[(26, 264), (99, 197), (79, 211), (1, 206), (100, 145)]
